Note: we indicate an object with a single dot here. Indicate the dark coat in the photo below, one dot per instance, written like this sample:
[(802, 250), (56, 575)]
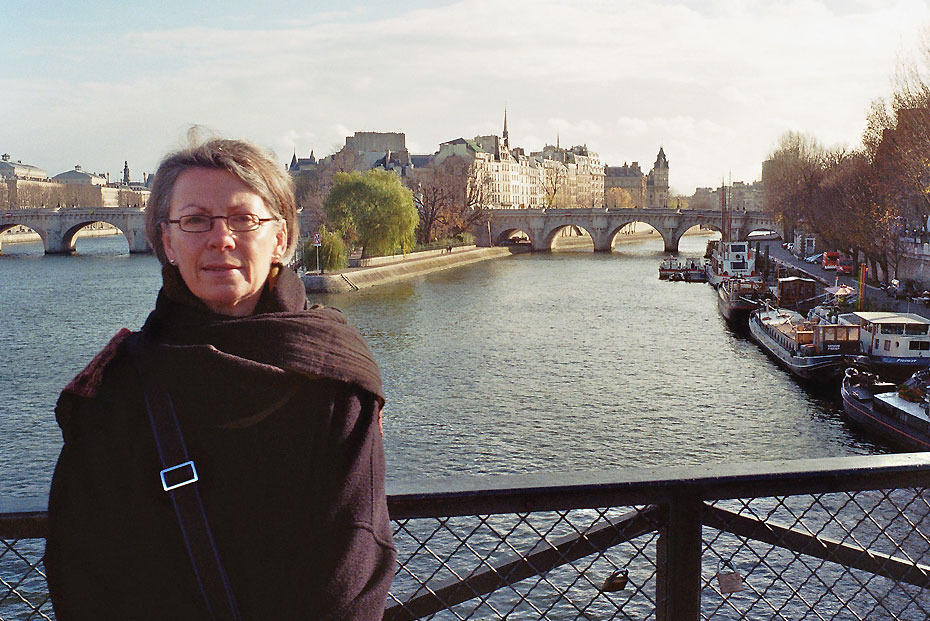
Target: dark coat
[(281, 414)]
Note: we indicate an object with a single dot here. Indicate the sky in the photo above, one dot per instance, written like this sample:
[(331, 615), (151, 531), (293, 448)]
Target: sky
[(714, 83)]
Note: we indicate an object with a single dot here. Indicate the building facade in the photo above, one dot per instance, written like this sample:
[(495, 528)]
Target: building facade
[(17, 170), (645, 190)]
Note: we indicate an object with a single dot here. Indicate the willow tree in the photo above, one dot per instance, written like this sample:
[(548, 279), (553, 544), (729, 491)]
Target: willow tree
[(372, 209)]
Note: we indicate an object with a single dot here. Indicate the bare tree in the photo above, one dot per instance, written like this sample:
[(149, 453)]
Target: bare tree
[(791, 175), (553, 181), (434, 196)]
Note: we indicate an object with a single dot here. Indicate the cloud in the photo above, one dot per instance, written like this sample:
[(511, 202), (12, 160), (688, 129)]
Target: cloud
[(715, 82)]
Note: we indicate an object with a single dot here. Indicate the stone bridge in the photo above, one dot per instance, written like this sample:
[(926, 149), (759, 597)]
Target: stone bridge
[(543, 225), (58, 227)]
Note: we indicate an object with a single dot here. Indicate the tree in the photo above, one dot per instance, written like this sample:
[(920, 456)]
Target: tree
[(332, 252), (791, 175), (619, 198), (434, 192), (553, 181), (373, 209), (472, 202)]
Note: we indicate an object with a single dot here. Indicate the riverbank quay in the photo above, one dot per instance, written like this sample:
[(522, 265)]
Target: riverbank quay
[(829, 278), (722, 541), (398, 268)]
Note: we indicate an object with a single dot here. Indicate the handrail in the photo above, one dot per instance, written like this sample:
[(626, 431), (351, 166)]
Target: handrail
[(672, 503), (482, 495)]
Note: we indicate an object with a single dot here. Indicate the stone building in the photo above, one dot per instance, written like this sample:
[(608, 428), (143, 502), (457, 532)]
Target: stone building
[(629, 178), (80, 177), (741, 196), (657, 182), (17, 170), (650, 191), (301, 164)]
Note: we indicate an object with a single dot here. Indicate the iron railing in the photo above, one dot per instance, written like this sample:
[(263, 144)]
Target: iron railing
[(839, 538)]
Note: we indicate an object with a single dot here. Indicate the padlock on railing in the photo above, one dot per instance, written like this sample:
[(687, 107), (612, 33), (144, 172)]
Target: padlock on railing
[(616, 581), (728, 579)]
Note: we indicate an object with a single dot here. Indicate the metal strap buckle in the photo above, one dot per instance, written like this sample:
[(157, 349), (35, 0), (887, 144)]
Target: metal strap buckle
[(190, 479)]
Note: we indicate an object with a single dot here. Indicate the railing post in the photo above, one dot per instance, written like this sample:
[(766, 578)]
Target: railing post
[(678, 560)]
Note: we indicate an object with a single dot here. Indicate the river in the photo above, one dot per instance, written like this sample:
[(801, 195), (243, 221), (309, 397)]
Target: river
[(536, 362)]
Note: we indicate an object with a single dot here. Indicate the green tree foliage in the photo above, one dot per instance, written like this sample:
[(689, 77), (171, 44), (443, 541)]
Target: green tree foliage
[(332, 252), (372, 209)]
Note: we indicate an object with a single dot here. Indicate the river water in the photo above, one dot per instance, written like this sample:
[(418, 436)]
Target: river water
[(545, 362)]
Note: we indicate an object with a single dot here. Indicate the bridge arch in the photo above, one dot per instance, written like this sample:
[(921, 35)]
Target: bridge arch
[(507, 236), (549, 241), (70, 235), (6, 226), (617, 231)]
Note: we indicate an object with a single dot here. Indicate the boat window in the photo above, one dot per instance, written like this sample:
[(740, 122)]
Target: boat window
[(892, 328), (887, 345), (919, 345), (738, 248), (738, 265), (915, 329)]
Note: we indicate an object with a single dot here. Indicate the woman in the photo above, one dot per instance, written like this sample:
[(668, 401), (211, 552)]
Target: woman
[(278, 406)]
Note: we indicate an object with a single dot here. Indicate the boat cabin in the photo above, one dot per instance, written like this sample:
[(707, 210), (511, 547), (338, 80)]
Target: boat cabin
[(731, 260), (892, 335), (810, 337), (796, 293)]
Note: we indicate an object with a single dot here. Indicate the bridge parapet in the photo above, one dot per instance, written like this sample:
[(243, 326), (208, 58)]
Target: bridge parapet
[(603, 224)]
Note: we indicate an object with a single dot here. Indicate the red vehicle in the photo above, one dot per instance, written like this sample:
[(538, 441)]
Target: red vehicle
[(830, 259), (844, 265)]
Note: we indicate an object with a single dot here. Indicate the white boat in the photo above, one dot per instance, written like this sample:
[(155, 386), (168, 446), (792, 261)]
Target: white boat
[(810, 349), (670, 269), (896, 344), (730, 260), (688, 270)]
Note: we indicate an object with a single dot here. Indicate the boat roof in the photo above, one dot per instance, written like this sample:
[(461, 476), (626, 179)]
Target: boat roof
[(776, 316), (794, 278), (914, 409), (886, 317)]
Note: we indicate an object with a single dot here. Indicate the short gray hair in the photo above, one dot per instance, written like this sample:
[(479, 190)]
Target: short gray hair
[(252, 165)]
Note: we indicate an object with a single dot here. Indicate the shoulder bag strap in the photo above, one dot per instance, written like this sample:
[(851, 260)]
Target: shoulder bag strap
[(178, 478)]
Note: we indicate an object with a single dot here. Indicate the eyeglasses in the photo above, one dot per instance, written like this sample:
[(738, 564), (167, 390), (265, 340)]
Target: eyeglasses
[(237, 223)]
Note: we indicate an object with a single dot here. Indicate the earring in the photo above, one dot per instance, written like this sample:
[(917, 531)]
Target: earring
[(172, 262)]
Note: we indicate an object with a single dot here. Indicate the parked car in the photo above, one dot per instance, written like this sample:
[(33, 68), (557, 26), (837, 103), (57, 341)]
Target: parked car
[(814, 258), (830, 259), (844, 265)]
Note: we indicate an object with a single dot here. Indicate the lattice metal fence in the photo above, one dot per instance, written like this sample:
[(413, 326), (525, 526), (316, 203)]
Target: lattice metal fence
[(543, 565), (23, 591), (841, 539)]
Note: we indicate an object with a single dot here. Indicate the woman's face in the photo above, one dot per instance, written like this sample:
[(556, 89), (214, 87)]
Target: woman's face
[(225, 269)]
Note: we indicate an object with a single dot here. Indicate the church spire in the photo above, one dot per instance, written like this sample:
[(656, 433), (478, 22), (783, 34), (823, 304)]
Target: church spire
[(505, 135)]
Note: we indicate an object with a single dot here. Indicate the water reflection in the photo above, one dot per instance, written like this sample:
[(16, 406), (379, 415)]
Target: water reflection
[(545, 362)]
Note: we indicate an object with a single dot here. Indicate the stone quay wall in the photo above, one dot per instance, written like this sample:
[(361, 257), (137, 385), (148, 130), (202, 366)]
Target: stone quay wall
[(410, 267)]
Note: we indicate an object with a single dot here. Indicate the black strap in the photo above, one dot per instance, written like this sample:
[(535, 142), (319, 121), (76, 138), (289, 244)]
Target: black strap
[(178, 478)]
